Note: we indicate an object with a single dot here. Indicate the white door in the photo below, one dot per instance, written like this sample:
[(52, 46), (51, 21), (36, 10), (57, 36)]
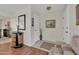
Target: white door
[(66, 28), (36, 28)]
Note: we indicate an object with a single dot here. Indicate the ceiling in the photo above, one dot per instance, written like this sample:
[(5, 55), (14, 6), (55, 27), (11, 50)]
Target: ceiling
[(12, 9), (42, 8)]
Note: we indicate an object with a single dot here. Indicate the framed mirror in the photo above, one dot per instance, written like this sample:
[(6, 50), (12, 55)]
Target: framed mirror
[(22, 22), (77, 14)]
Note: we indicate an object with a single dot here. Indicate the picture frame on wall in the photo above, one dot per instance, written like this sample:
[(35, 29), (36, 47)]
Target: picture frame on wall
[(50, 23), (22, 22)]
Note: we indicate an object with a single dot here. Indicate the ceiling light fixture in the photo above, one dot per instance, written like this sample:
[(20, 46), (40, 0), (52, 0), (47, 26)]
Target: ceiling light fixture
[(48, 8)]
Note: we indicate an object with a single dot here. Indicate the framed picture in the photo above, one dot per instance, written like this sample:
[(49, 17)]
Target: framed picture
[(22, 22), (32, 22), (50, 23)]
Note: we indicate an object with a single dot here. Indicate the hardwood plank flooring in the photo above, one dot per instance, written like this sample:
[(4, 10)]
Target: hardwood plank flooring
[(20, 51)]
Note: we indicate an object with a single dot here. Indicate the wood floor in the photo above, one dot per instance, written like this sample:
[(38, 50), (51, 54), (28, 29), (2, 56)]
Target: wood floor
[(5, 49)]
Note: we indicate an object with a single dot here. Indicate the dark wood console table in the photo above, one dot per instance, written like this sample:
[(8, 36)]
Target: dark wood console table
[(17, 39)]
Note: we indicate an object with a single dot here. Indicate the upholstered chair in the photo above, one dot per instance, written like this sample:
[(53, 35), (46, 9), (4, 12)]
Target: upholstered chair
[(75, 44)]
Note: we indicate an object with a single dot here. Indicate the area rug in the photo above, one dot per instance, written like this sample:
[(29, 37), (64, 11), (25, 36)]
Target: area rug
[(47, 45)]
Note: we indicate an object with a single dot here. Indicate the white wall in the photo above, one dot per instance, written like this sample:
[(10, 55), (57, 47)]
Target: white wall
[(70, 19), (14, 22), (77, 27), (0, 23), (27, 32), (72, 22), (52, 34), (77, 30), (66, 25)]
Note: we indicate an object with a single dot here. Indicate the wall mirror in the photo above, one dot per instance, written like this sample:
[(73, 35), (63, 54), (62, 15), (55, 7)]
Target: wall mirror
[(22, 22), (77, 14)]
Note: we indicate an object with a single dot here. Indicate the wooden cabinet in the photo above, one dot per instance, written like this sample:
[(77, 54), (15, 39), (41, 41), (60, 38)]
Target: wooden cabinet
[(14, 39)]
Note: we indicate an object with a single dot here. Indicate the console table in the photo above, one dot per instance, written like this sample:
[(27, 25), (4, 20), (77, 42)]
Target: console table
[(17, 39)]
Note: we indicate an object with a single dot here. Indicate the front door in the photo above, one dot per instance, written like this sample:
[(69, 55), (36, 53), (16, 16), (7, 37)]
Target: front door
[(36, 28)]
